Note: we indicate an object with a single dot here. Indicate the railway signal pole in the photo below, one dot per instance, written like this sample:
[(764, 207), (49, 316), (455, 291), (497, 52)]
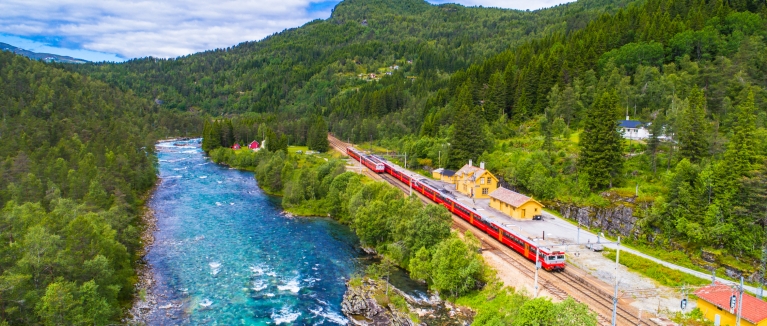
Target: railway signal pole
[(615, 294), (537, 265)]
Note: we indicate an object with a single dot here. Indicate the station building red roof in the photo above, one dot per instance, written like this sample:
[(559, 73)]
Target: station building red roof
[(754, 310)]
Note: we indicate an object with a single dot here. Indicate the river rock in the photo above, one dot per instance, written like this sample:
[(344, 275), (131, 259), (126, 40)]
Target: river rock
[(361, 306)]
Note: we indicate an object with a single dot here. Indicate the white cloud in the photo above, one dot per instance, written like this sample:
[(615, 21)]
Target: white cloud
[(171, 28), (152, 27)]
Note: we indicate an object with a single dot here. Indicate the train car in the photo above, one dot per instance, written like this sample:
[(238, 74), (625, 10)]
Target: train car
[(377, 165), (353, 153), (367, 160), (548, 259)]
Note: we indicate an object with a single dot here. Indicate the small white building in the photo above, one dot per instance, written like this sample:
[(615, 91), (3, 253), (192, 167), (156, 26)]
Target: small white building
[(633, 129)]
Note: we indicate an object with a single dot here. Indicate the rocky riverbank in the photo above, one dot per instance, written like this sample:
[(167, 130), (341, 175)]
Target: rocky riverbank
[(144, 301), (367, 303)]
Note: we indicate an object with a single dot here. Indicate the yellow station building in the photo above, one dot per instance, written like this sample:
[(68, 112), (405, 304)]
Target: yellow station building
[(515, 204), (714, 302), (475, 182)]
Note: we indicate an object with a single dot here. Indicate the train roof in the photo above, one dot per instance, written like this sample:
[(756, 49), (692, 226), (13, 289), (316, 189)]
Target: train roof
[(533, 243)]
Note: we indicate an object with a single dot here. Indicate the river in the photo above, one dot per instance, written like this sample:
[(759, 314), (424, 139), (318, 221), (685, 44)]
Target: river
[(224, 253)]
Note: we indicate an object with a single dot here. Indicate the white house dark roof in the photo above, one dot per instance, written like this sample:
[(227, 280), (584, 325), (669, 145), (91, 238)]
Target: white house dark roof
[(630, 124)]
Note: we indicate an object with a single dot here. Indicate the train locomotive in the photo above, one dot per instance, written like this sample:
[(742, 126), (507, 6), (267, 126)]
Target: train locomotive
[(550, 260)]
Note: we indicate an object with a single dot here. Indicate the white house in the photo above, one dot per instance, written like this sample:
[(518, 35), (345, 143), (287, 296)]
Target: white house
[(633, 129)]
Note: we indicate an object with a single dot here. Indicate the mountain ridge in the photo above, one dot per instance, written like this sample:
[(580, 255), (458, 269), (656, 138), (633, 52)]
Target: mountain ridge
[(47, 57)]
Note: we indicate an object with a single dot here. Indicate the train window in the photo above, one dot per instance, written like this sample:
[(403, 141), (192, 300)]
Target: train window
[(562, 257)]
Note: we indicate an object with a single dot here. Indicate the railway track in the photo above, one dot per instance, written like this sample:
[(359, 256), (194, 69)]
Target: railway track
[(580, 289)]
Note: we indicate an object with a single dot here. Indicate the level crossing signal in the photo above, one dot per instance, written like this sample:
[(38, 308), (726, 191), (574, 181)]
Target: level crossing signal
[(733, 300)]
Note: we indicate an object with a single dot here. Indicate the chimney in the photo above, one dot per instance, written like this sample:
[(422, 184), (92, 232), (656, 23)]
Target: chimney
[(470, 163), (627, 118), (482, 165)]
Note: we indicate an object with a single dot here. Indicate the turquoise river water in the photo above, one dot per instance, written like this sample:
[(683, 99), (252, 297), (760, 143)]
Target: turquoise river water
[(224, 254)]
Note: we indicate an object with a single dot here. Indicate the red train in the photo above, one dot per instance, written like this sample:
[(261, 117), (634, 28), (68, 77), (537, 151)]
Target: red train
[(369, 161), (550, 260)]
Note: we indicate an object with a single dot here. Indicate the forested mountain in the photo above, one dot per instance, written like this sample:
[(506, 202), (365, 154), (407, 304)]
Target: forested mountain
[(298, 73), (47, 57), (76, 160)]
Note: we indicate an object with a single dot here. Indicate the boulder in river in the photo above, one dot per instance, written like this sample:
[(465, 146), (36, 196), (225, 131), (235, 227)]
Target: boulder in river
[(366, 303)]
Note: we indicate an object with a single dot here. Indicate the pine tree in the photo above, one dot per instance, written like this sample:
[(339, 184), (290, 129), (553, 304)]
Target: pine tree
[(654, 142), (211, 136), (468, 139), (547, 134), (317, 138), (692, 132), (601, 155), (495, 99), (741, 152)]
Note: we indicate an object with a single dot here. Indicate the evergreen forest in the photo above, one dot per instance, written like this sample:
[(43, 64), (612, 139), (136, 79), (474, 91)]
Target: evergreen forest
[(77, 162)]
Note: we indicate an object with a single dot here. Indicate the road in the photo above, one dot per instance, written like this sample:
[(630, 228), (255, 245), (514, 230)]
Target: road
[(556, 227)]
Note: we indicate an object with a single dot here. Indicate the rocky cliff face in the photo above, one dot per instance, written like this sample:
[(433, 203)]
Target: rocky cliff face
[(367, 304), (617, 218)]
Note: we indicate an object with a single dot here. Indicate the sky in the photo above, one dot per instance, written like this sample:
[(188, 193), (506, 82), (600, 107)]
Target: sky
[(117, 30)]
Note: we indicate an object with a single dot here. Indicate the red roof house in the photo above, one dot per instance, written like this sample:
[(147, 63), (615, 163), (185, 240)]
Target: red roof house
[(236, 146), (253, 145), (715, 300)]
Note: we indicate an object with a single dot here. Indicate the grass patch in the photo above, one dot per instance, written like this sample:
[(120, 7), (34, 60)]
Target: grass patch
[(355, 281), (662, 274), (310, 208)]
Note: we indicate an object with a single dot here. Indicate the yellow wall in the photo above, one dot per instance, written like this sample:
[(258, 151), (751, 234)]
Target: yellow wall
[(436, 175), (443, 178), (464, 186), (526, 211), (725, 316)]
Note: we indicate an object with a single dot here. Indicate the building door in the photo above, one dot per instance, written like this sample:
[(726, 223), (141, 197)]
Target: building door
[(523, 213)]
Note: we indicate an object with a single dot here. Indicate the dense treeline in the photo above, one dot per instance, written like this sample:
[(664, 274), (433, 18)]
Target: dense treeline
[(267, 130), (76, 160)]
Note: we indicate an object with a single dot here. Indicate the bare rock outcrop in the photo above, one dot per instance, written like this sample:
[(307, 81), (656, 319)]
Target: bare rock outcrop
[(366, 303)]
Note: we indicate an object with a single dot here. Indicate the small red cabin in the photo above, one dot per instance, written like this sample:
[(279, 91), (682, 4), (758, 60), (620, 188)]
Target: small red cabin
[(236, 146), (253, 145)]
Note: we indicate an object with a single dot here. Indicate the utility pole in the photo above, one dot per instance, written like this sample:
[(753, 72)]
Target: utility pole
[(578, 237), (536, 271), (764, 271), (615, 294), (740, 302), (411, 185)]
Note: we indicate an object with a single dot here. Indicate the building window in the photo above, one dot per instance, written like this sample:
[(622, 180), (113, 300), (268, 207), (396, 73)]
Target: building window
[(481, 181), (484, 191)]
